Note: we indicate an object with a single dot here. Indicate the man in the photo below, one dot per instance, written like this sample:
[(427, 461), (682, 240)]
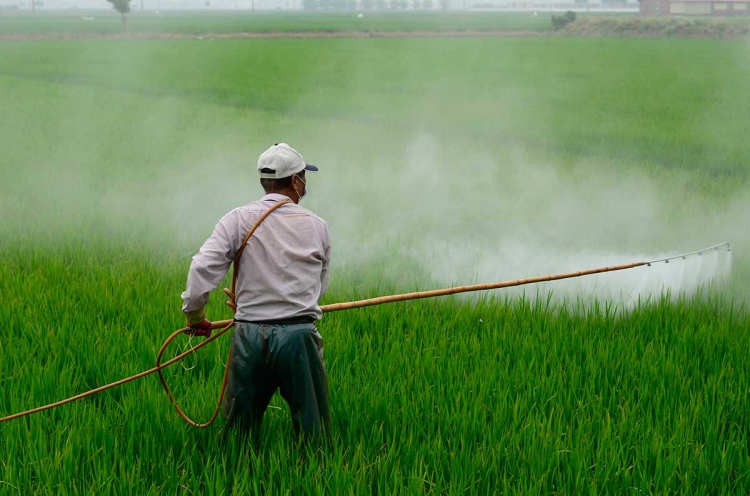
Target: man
[(283, 274)]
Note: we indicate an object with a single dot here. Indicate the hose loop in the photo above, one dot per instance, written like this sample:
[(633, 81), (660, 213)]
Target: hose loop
[(233, 305)]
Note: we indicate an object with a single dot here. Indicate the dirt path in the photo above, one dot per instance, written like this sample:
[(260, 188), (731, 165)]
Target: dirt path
[(674, 28)]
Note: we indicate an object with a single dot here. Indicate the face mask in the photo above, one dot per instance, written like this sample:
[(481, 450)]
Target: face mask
[(304, 190)]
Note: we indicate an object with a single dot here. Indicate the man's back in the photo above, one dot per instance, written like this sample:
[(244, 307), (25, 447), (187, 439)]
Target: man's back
[(285, 265), (283, 270)]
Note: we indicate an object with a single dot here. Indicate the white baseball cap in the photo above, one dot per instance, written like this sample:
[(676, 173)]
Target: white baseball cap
[(283, 160)]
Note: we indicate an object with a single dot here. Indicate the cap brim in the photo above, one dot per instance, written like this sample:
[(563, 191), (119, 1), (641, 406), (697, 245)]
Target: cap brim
[(311, 168)]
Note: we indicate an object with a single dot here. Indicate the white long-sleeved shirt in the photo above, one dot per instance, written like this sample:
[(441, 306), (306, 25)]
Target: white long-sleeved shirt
[(283, 270)]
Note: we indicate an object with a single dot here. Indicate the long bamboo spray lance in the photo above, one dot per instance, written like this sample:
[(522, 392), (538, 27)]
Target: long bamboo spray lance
[(335, 307), (225, 325)]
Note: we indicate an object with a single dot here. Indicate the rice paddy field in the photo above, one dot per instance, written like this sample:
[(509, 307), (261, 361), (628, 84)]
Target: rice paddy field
[(443, 161), (217, 22)]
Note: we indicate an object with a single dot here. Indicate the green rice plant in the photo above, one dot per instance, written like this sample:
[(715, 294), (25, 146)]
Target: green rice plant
[(432, 396)]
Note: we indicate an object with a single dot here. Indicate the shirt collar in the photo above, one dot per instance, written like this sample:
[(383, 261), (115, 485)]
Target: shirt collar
[(275, 197)]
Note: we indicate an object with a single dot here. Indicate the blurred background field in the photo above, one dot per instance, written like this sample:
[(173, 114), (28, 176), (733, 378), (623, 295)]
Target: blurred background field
[(187, 22)]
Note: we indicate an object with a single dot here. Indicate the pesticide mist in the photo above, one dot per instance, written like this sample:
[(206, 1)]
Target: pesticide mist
[(471, 216), (429, 179)]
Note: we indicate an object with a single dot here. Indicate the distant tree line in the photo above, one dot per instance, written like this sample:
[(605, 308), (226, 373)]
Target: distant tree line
[(370, 4), (23, 5)]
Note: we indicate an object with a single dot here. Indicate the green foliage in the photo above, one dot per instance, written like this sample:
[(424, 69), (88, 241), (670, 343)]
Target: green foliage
[(426, 396), (121, 6), (559, 22)]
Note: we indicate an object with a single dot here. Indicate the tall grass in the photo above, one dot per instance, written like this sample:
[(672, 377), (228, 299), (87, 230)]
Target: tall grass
[(429, 397)]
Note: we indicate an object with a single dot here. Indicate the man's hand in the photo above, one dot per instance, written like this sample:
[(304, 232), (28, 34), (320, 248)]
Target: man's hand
[(202, 328)]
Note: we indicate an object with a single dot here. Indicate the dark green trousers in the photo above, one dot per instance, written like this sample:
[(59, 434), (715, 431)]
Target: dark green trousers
[(270, 357)]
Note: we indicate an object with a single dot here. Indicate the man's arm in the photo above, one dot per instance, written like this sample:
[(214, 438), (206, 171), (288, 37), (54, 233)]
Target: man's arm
[(207, 270)]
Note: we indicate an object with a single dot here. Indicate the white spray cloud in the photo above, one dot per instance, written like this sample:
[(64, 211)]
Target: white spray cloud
[(459, 209), (487, 220)]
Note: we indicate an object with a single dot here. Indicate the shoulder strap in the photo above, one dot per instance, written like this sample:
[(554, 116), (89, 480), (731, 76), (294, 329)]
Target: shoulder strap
[(231, 293)]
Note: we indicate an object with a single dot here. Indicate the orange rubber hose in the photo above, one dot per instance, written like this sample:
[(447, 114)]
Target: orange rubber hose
[(228, 325), (121, 381)]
